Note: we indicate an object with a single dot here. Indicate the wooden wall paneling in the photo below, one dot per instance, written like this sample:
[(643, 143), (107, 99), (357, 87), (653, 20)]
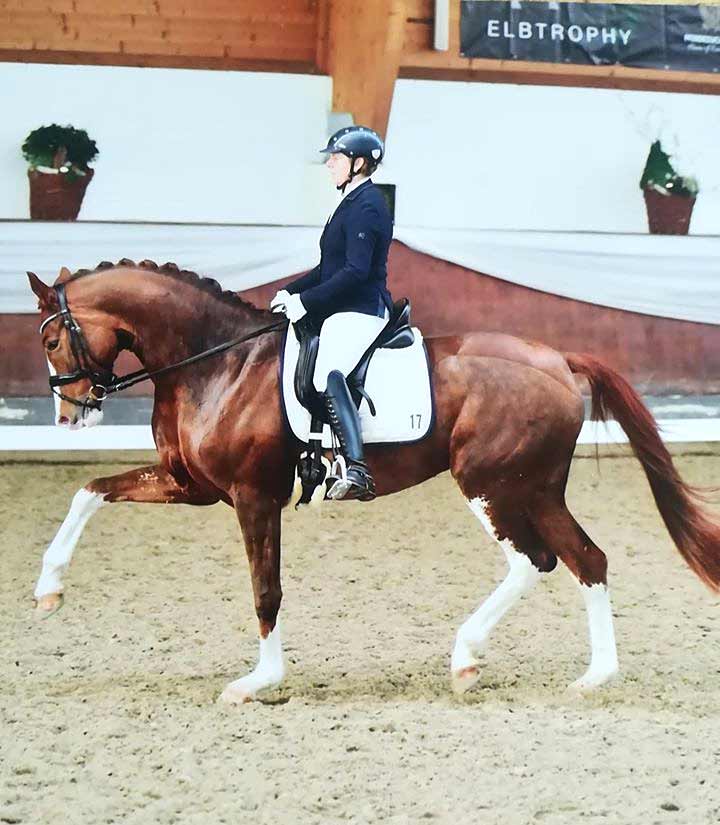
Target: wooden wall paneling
[(249, 30), (279, 10), (359, 39)]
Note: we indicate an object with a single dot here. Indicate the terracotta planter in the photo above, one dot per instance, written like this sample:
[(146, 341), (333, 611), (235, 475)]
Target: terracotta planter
[(55, 197), (668, 214)]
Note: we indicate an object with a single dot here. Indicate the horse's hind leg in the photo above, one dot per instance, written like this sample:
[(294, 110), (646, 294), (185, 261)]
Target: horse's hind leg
[(588, 564), (526, 559), (145, 484)]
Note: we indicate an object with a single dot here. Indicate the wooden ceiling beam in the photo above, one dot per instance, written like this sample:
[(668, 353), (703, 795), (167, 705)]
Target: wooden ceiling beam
[(551, 74), (360, 46)]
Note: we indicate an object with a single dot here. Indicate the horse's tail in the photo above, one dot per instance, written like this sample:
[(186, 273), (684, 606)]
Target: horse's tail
[(695, 535)]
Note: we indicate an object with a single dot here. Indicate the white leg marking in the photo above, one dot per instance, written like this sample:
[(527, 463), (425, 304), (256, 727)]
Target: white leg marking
[(57, 556), (268, 672), (474, 632), (603, 660)]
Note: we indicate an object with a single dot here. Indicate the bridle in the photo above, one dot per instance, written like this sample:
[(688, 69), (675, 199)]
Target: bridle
[(103, 380)]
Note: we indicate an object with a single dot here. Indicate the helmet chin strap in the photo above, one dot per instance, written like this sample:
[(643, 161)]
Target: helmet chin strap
[(352, 174)]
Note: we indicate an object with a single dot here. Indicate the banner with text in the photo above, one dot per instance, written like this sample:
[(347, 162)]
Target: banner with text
[(652, 36)]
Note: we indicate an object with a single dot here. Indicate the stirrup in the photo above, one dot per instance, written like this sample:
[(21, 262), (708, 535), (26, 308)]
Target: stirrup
[(361, 488)]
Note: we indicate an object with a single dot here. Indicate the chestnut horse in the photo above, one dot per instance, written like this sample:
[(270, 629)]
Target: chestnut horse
[(508, 414)]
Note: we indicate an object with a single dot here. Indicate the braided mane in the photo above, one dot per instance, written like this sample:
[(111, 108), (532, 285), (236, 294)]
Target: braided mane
[(187, 276)]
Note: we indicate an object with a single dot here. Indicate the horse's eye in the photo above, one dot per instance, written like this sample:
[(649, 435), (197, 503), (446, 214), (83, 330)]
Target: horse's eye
[(51, 345)]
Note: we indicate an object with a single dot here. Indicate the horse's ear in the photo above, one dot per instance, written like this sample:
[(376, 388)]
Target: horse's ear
[(63, 276), (47, 297)]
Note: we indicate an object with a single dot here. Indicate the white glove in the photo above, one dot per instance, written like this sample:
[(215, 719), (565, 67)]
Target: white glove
[(278, 302), (294, 309)]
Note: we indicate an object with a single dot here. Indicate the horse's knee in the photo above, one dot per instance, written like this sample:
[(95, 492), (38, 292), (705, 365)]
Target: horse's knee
[(543, 559), (593, 565)]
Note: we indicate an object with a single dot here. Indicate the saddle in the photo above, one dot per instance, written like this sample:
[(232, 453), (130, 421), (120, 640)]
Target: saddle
[(396, 334)]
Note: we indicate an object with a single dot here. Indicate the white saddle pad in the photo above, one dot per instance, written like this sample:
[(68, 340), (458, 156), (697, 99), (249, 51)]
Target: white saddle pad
[(398, 381)]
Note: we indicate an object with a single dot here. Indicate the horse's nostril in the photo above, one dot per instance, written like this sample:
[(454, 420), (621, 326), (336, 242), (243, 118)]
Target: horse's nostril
[(63, 420)]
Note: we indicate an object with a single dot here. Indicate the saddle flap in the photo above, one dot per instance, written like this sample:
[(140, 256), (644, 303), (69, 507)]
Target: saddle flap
[(309, 344)]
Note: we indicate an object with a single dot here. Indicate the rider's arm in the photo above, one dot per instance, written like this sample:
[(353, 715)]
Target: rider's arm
[(360, 239), (305, 281)]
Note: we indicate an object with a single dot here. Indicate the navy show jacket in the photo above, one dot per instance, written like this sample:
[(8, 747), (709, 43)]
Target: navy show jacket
[(352, 273)]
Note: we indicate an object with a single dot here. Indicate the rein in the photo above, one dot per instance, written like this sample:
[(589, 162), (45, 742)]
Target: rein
[(104, 380)]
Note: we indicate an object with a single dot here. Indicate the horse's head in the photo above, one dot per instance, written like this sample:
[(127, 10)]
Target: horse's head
[(81, 348)]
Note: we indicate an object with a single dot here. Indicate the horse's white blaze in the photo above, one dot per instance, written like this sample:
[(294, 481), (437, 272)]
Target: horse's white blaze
[(603, 660), (57, 557), (56, 400), (268, 672), (520, 578)]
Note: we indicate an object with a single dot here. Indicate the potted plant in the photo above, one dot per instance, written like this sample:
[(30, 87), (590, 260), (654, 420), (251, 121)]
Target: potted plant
[(59, 173), (669, 197)]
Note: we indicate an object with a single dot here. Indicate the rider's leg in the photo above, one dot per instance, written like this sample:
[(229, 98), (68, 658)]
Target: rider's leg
[(344, 338), (345, 421)]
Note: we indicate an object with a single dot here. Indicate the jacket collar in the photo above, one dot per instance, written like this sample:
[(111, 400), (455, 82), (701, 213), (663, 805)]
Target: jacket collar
[(347, 198), (352, 195)]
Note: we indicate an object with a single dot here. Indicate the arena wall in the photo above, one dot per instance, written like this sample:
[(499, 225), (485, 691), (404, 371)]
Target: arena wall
[(658, 355)]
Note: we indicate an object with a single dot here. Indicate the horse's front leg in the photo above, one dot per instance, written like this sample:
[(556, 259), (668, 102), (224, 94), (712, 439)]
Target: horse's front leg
[(259, 517), (146, 484)]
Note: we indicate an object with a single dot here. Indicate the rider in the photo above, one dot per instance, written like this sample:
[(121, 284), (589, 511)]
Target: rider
[(347, 291)]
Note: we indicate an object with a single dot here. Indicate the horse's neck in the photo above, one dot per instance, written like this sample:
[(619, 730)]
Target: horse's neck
[(168, 319)]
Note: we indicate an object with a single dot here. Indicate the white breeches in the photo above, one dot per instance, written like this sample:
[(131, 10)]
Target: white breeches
[(344, 337)]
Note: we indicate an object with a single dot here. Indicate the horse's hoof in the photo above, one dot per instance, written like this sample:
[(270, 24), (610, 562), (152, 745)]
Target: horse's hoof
[(580, 687), (590, 681), (48, 604), (463, 679), (235, 696)]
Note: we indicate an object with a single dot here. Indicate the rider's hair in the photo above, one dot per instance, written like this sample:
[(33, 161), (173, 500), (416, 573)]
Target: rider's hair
[(367, 168)]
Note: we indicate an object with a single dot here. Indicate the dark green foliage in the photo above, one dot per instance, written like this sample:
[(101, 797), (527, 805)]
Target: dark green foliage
[(660, 175), (42, 144)]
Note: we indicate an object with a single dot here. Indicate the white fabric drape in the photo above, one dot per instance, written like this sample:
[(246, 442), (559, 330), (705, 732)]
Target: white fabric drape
[(239, 257), (668, 276), (672, 277)]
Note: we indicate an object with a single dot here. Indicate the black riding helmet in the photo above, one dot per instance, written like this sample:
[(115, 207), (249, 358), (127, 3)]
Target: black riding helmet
[(356, 142)]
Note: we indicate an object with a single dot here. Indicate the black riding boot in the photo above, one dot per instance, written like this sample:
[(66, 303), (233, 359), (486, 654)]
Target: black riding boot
[(345, 422)]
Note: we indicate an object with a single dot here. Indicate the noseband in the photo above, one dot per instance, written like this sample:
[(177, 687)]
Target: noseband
[(102, 378), (85, 365)]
